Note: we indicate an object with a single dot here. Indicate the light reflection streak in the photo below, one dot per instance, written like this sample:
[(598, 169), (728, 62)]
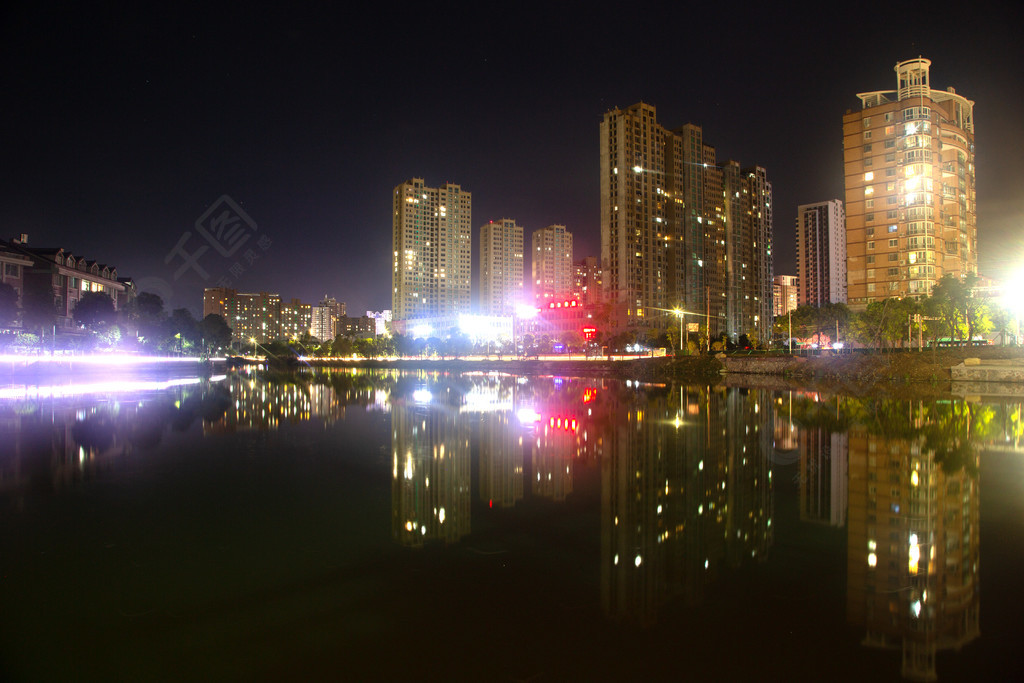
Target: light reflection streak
[(79, 389), (112, 360)]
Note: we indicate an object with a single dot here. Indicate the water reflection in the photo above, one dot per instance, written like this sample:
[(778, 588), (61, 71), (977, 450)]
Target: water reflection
[(912, 560), (63, 435), (688, 477)]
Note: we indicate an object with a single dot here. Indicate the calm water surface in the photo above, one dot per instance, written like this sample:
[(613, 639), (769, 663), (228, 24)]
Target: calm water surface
[(383, 525)]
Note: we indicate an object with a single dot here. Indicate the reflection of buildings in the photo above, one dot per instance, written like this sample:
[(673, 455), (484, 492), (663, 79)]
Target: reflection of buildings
[(430, 473), (912, 551), (257, 403), (501, 459), (823, 468), (552, 447), (686, 489), (59, 442)]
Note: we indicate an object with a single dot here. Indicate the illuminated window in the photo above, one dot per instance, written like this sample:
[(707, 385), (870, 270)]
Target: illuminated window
[(869, 176)]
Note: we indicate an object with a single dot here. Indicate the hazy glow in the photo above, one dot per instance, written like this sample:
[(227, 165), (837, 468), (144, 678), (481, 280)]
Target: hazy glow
[(109, 359), (528, 415), (79, 388)]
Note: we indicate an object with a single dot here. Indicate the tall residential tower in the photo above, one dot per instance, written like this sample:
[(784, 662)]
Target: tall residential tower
[(431, 250), (501, 267), (552, 263), (910, 197), (680, 231), (821, 253)]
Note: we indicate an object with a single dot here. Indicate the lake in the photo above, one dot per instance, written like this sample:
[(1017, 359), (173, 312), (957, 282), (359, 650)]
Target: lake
[(357, 524)]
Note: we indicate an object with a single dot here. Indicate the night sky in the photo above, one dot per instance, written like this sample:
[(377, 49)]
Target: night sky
[(122, 127)]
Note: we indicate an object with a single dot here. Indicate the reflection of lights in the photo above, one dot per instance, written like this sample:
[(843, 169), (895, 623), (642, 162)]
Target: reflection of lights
[(637, 561), (57, 391), (112, 359), (915, 608), (872, 559), (440, 515), (914, 555), (422, 396)]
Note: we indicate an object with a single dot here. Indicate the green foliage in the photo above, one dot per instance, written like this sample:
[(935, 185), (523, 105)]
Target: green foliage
[(8, 304), (214, 332), (94, 309), (38, 309)]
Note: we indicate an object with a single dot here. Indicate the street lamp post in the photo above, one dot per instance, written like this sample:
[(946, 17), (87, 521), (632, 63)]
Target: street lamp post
[(682, 321)]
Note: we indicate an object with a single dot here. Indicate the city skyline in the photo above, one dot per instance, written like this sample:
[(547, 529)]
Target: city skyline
[(126, 130)]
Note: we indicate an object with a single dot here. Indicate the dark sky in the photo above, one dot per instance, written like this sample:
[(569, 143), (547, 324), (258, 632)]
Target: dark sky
[(121, 127)]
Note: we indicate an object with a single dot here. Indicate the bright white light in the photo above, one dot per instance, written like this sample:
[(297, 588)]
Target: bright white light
[(524, 311), (422, 396), (528, 416), (422, 331), (440, 515), (57, 391), (637, 561), (915, 608)]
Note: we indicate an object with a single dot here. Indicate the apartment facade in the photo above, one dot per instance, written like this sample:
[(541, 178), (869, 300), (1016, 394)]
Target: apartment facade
[(910, 190), (821, 253), (249, 315), (678, 230), (431, 245), (588, 281), (551, 263), (785, 294), (64, 276), (324, 318), (501, 267)]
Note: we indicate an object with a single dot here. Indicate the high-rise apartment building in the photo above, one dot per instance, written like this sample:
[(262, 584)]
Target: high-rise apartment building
[(431, 250), (748, 267), (249, 315), (552, 263), (324, 318), (910, 195), (501, 267), (296, 319), (588, 281), (678, 230), (785, 294), (821, 253)]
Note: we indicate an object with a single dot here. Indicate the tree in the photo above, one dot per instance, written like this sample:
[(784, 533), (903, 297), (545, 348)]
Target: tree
[(572, 340), (146, 315), (214, 331), (181, 331), (95, 310), (8, 304), (38, 309), (949, 302)]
